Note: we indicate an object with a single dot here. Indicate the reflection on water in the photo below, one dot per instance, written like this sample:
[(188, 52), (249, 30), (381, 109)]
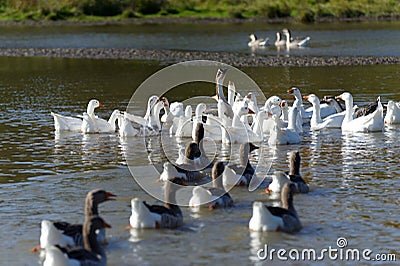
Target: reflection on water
[(353, 178)]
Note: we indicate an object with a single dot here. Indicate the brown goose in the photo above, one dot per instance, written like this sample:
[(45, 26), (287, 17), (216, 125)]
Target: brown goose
[(268, 218), (294, 173), (66, 234), (241, 174), (91, 254), (279, 179), (216, 196), (158, 216)]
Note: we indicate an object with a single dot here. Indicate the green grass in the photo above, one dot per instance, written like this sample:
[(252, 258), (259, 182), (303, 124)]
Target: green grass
[(301, 10)]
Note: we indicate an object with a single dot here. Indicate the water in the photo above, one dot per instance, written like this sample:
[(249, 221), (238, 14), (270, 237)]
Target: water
[(333, 39), (353, 178)]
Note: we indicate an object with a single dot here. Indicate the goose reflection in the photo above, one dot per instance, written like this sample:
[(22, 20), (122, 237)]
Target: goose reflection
[(359, 153)]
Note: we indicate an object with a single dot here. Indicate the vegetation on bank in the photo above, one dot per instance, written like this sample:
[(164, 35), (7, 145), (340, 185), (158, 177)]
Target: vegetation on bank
[(302, 10)]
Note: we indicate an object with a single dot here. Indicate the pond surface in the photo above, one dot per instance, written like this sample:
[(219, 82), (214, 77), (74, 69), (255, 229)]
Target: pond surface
[(353, 178), (333, 39)]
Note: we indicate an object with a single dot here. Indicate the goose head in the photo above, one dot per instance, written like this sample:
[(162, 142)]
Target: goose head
[(252, 101), (151, 102), (243, 109), (217, 171), (199, 133), (95, 223), (286, 32), (345, 96), (284, 106), (200, 109), (169, 171), (93, 104), (279, 179), (271, 101), (192, 151), (99, 196), (176, 109), (295, 92), (221, 73), (312, 98), (253, 37), (165, 102), (188, 111)]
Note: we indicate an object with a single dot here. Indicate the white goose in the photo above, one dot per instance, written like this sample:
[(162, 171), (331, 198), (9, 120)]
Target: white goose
[(393, 113), (254, 42), (240, 132), (332, 121), (273, 107), (279, 41), (370, 123), (184, 122), (325, 108), (151, 119), (285, 136), (126, 128), (67, 123), (268, 218), (94, 124), (293, 43)]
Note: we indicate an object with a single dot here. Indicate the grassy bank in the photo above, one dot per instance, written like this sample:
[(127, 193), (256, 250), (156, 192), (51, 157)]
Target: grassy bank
[(300, 10)]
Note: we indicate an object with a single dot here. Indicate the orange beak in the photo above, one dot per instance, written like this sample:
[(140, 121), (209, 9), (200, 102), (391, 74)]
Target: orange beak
[(268, 191), (339, 97), (110, 195), (290, 91), (106, 225), (101, 105), (306, 97)]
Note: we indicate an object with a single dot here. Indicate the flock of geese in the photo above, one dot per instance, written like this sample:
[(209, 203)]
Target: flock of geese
[(237, 119), (287, 42)]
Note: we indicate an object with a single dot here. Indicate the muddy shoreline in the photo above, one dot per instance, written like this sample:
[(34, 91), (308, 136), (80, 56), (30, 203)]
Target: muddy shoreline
[(172, 56), (184, 20)]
